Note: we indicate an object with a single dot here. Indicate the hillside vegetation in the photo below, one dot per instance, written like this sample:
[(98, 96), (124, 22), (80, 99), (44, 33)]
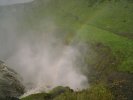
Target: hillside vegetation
[(106, 27)]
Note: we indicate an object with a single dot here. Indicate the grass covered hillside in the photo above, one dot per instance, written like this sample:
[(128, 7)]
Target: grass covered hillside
[(108, 22), (106, 27)]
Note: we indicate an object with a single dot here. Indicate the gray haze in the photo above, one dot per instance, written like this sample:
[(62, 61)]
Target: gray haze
[(40, 57), (10, 2)]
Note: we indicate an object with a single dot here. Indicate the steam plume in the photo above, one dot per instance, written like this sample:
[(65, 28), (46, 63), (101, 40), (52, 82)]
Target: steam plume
[(40, 58)]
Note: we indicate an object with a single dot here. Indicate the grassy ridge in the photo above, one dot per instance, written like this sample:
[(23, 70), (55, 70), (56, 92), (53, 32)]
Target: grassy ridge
[(96, 92)]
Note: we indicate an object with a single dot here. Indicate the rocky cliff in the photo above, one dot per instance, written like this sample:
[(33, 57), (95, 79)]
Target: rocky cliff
[(10, 83)]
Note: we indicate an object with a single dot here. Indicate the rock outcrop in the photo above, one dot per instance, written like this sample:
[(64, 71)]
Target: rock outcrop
[(10, 83)]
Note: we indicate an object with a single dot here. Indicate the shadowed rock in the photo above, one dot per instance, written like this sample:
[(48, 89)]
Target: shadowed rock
[(10, 83)]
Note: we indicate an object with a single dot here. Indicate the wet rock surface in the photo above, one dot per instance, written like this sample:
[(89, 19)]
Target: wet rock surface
[(10, 83)]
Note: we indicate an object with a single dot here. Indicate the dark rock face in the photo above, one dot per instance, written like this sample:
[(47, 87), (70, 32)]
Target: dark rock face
[(10, 83)]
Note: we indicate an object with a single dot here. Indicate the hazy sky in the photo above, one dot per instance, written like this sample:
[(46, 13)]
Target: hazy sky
[(10, 2)]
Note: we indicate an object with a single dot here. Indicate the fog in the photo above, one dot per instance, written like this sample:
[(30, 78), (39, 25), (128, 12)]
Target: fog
[(11, 2), (40, 56)]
